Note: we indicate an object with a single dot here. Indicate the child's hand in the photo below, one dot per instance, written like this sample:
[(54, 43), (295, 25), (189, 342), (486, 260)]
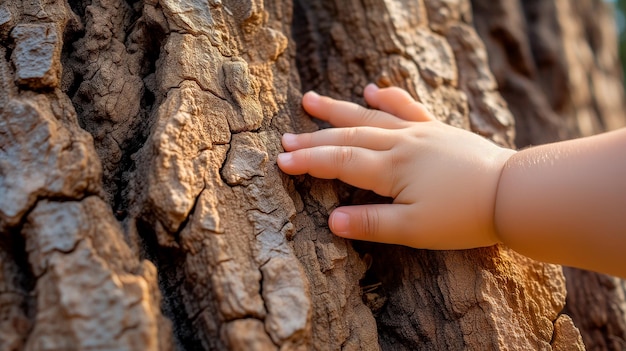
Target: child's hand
[(443, 179)]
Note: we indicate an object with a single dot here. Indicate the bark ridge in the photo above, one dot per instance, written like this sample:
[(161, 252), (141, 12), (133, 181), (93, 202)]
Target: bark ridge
[(141, 207)]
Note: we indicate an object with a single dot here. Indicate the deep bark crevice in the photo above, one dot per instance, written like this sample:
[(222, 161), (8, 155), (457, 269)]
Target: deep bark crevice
[(170, 264), (8, 46), (14, 245), (205, 235), (153, 38), (13, 252), (78, 6), (307, 34), (116, 139)]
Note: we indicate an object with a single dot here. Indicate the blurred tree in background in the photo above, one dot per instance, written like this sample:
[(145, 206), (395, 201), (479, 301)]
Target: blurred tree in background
[(620, 15)]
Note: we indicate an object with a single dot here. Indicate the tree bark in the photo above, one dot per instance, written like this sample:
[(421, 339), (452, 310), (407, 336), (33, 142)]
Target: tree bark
[(141, 207)]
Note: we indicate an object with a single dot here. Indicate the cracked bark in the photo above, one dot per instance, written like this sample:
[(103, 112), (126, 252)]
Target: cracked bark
[(142, 209)]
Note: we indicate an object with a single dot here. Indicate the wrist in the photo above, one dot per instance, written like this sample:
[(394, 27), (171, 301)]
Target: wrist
[(502, 161)]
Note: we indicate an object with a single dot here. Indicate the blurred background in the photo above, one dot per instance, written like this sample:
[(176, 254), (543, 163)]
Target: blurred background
[(620, 15)]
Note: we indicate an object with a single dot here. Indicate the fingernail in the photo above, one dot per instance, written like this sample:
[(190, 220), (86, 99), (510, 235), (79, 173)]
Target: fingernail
[(370, 89), (340, 223), (289, 139), (372, 86), (313, 94), (285, 158), (312, 98)]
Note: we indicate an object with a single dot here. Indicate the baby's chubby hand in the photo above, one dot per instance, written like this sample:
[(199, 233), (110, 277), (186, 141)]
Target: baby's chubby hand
[(443, 179)]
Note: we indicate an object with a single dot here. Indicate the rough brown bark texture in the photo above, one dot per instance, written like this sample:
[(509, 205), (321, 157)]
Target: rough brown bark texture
[(141, 207)]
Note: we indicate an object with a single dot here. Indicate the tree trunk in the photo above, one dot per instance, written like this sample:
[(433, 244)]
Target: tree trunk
[(141, 207)]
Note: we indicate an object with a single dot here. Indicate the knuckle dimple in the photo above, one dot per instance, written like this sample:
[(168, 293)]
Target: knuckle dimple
[(350, 136), (367, 115), (305, 155), (343, 155), (393, 170), (370, 222)]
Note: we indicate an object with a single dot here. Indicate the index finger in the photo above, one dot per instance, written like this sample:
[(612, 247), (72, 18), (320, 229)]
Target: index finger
[(347, 114), (356, 166)]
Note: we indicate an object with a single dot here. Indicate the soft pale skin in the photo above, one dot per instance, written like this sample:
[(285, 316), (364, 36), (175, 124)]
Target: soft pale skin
[(561, 203)]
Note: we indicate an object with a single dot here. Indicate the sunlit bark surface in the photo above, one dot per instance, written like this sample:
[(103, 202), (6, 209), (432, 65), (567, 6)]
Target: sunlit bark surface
[(141, 207)]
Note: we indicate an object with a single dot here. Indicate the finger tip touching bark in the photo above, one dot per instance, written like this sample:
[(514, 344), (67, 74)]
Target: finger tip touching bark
[(369, 93), (339, 223), (286, 163), (310, 101), (289, 141)]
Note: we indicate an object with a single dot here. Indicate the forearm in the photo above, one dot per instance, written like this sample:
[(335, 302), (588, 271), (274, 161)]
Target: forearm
[(566, 203)]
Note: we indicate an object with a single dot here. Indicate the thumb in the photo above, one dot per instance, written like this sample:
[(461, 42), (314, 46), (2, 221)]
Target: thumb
[(383, 223)]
